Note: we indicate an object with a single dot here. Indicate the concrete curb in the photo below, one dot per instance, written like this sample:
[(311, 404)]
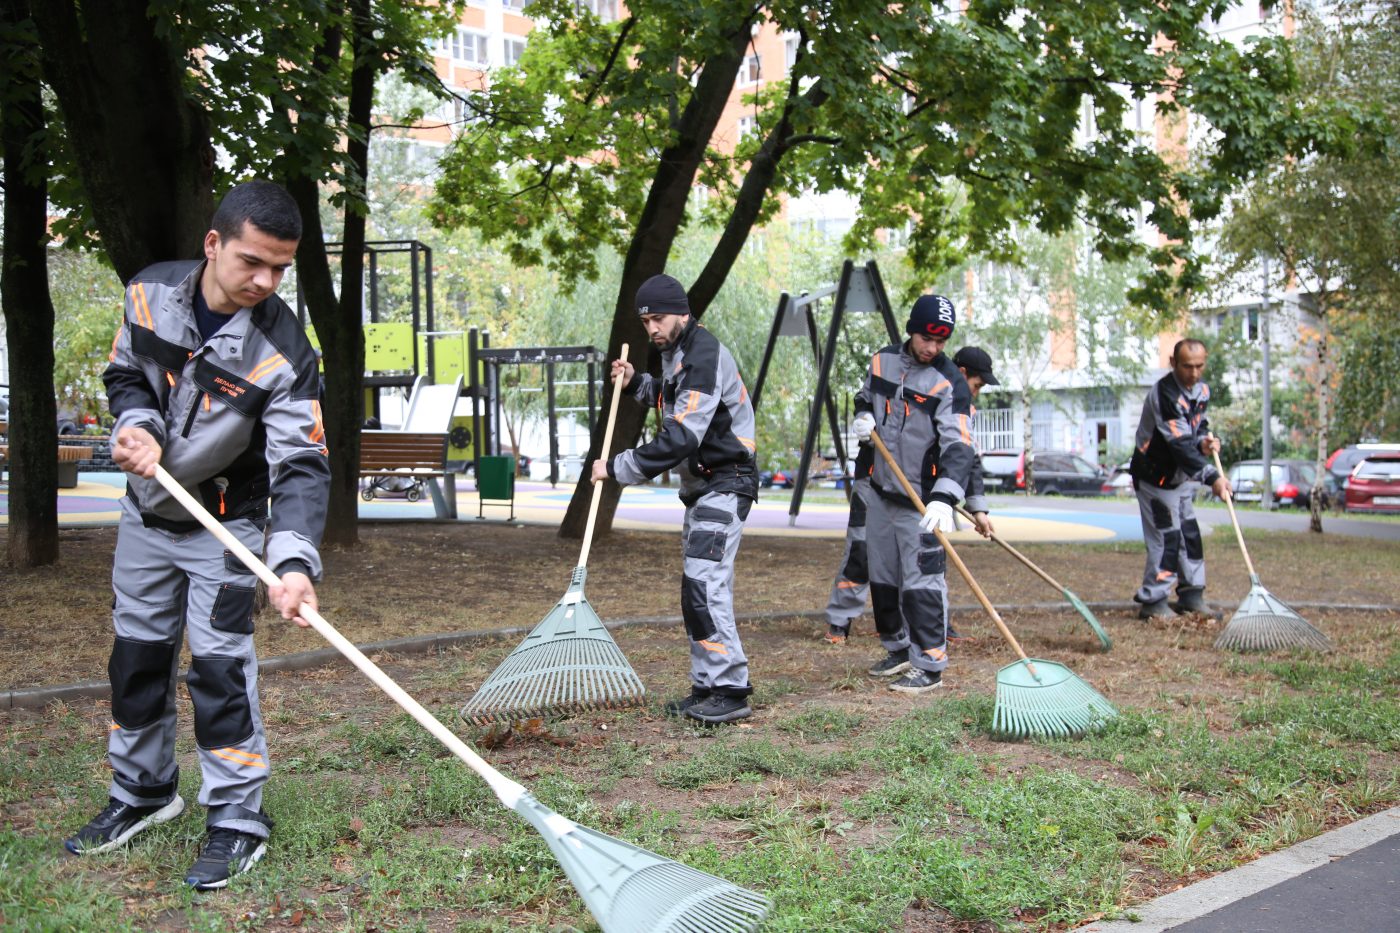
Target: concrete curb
[(1226, 888), (37, 697)]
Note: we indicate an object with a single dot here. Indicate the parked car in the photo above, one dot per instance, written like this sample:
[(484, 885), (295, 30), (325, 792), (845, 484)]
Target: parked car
[(1292, 482), (1119, 481), (1345, 459), (767, 479), (1057, 472), (1374, 484)]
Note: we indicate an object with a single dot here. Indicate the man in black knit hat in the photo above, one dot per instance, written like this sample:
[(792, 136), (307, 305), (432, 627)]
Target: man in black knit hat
[(921, 405), (707, 433)]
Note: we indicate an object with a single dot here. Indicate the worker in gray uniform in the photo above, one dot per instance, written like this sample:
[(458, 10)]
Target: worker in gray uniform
[(211, 377), (1171, 457), (707, 434), (922, 407), (852, 583)]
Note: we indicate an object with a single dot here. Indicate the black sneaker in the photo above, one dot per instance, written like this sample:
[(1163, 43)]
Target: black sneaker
[(896, 662), (836, 634), (917, 681), (717, 708), (115, 825), (679, 707), (227, 853)]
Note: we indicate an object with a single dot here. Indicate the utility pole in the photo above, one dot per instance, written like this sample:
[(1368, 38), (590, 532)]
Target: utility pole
[(1268, 401)]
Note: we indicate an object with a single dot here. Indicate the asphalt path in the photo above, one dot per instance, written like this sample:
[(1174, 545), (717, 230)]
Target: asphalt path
[(1212, 515)]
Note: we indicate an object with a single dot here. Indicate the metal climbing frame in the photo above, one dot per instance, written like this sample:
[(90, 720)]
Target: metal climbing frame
[(488, 362), (860, 290)]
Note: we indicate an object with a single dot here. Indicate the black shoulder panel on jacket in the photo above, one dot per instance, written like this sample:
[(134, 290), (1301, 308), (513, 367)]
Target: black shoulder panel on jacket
[(701, 361), (279, 324), (167, 273)]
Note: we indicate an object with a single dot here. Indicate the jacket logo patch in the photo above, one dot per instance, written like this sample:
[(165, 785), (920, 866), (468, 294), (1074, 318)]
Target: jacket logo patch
[(228, 388)]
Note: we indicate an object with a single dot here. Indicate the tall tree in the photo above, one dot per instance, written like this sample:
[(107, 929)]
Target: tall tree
[(284, 88), (24, 295), (1330, 222), (961, 120)]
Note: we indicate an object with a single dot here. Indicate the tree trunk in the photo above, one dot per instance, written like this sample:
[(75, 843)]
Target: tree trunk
[(656, 231), (132, 128), (29, 317), (1027, 442), (1324, 393)]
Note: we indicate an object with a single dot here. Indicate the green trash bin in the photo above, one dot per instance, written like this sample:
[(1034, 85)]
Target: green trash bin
[(495, 483)]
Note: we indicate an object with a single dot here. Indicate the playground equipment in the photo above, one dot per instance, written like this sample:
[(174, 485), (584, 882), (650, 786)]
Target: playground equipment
[(402, 356), (859, 290)]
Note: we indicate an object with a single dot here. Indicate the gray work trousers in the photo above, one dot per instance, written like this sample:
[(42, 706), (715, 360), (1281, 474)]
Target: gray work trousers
[(1175, 555), (852, 583), (908, 592), (710, 542), (168, 586)]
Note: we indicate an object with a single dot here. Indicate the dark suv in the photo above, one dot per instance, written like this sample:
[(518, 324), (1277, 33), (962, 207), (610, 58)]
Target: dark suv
[(1057, 473)]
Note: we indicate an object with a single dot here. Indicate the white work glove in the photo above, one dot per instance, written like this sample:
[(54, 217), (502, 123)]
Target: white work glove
[(862, 425), (937, 515)]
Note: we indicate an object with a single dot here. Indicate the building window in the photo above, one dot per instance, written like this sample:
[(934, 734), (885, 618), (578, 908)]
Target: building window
[(748, 126), (898, 237), (790, 47), (515, 48), (750, 70), (1100, 403), (517, 5), (467, 46), (606, 10)]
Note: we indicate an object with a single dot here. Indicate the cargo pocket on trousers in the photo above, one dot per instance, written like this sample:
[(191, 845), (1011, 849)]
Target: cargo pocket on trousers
[(707, 513), (233, 609), (705, 545), (932, 561)]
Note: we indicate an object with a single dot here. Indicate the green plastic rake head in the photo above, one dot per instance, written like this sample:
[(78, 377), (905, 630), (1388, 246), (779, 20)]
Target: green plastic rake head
[(1046, 700), (631, 890), (568, 664)]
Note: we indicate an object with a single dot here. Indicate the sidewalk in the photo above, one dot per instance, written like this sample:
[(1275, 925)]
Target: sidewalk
[(1344, 881), (93, 502)]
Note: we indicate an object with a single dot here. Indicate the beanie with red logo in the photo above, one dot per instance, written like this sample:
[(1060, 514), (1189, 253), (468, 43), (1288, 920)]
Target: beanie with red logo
[(932, 316)]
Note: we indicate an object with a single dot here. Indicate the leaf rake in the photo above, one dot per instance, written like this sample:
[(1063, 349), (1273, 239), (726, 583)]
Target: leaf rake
[(627, 889), (569, 663), (1075, 601), (1034, 697), (1263, 622)]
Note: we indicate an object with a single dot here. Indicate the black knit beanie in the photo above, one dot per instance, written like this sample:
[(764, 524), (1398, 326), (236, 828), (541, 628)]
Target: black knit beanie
[(662, 294), (932, 316)]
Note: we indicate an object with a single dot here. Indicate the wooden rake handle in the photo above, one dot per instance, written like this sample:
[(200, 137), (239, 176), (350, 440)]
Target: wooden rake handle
[(506, 790), (952, 554), (1230, 505), (1014, 553), (603, 454)]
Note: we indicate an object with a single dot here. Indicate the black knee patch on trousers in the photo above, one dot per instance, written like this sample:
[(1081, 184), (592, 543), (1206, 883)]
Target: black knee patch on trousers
[(924, 610), (1191, 536), (1161, 514), (1171, 551), (140, 675), (695, 607), (857, 568), (884, 606), (220, 694)]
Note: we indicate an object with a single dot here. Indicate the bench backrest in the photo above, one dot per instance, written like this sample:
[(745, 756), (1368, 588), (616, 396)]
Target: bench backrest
[(392, 450)]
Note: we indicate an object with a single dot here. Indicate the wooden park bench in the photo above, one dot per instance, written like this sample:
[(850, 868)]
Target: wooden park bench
[(68, 457), (412, 456)]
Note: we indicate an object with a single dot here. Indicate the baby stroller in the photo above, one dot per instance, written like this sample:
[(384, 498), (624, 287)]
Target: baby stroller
[(392, 487)]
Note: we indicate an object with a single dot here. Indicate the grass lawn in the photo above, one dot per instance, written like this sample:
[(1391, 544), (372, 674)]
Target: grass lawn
[(853, 808)]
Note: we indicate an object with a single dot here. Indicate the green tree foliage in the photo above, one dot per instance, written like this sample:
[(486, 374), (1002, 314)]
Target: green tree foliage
[(1331, 221), (959, 124), (87, 301)]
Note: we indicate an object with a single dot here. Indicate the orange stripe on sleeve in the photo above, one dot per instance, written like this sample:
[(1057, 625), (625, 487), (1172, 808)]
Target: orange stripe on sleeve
[(143, 307)]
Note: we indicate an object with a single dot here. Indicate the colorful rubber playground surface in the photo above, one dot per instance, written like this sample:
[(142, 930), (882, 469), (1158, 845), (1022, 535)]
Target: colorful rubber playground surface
[(94, 502)]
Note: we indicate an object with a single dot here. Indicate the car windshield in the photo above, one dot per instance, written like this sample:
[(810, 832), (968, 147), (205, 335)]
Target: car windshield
[(1254, 472), (1000, 463), (1379, 469)]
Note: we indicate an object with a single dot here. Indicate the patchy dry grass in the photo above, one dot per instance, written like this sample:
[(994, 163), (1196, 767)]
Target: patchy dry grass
[(853, 808)]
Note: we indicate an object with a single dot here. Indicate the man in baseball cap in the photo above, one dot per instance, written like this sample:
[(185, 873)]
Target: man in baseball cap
[(975, 363)]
